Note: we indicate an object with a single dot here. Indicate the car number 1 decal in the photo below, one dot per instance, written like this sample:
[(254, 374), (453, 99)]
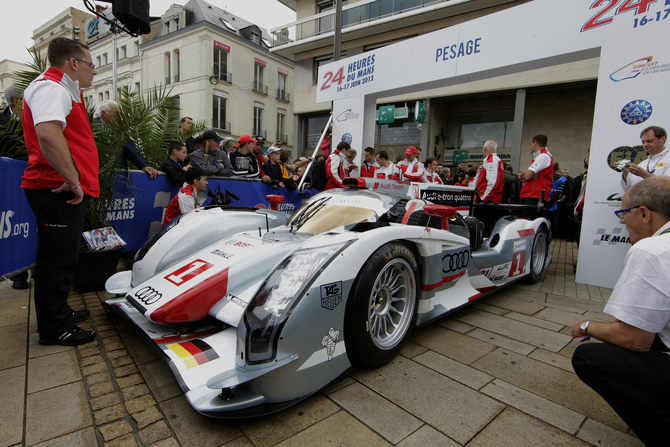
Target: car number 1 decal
[(189, 271), (518, 262)]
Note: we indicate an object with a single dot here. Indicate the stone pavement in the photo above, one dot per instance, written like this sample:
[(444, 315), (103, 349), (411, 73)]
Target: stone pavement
[(496, 373)]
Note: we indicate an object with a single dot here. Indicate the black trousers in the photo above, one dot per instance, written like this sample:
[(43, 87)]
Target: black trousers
[(530, 213), (59, 228), (635, 384)]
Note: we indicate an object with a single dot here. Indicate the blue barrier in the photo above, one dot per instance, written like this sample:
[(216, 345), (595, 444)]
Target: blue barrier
[(18, 226), (137, 213)]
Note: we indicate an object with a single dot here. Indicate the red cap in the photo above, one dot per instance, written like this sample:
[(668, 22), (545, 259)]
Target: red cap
[(411, 150), (244, 139)]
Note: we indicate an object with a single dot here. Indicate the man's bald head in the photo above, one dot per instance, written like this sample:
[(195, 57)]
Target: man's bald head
[(490, 147)]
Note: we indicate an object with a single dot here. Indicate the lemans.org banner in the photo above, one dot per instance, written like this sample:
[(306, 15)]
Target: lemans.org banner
[(18, 227), (140, 207), (632, 86), (138, 212)]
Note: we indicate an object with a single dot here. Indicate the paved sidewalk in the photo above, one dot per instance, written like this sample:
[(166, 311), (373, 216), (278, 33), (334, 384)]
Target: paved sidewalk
[(496, 373)]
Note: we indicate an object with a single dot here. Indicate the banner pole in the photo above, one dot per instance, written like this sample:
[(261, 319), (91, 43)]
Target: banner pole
[(316, 149)]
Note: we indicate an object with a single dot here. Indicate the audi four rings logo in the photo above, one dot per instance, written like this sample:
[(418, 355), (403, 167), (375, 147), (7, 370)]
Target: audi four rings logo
[(453, 262), (148, 295)]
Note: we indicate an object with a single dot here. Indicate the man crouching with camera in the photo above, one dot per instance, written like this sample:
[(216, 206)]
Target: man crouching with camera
[(631, 370)]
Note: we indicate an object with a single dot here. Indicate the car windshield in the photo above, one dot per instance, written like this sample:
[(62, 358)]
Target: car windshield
[(327, 212)]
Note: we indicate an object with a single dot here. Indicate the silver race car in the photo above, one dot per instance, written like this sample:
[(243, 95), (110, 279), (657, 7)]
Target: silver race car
[(255, 320)]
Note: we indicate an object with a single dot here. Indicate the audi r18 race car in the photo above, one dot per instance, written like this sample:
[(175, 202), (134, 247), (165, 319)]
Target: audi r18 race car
[(258, 320)]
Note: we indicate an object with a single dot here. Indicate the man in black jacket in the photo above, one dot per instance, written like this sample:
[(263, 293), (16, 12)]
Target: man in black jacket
[(13, 97), (173, 165)]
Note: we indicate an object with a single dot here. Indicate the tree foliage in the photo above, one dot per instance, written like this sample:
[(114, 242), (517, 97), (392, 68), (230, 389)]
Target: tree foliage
[(151, 122)]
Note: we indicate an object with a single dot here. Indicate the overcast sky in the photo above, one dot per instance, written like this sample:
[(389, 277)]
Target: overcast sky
[(22, 17)]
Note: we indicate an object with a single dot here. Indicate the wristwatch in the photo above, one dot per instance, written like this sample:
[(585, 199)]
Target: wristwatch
[(73, 188), (584, 326)]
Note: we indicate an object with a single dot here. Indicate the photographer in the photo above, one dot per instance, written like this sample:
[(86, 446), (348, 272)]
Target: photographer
[(657, 162)]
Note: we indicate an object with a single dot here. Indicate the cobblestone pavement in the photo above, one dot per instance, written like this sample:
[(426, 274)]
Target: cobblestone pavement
[(496, 373)]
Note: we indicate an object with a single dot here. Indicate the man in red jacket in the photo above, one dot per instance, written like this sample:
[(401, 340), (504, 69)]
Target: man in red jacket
[(190, 197), (335, 166), (412, 169), (61, 177), (369, 165), (539, 176), (491, 176)]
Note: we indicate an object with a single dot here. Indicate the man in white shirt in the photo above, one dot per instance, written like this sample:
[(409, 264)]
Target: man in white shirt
[(631, 370), (387, 169), (658, 160)]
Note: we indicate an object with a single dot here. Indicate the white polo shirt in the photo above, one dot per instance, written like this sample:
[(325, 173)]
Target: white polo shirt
[(641, 297)]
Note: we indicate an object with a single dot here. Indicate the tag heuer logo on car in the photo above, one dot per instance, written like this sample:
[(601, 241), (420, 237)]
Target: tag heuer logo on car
[(331, 295)]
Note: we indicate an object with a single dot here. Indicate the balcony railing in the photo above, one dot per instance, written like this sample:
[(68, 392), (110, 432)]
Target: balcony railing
[(260, 133), (282, 137), (167, 80), (282, 95), (258, 87), (223, 126), (223, 75), (363, 11), (176, 78)]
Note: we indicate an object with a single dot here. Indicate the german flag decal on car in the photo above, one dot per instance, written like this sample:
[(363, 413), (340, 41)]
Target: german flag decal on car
[(194, 353)]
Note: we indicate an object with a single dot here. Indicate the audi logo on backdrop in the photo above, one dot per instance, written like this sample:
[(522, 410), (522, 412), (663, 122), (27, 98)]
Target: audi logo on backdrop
[(148, 295), (453, 262)]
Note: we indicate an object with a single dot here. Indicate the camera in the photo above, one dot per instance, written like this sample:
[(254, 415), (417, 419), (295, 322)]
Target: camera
[(621, 165)]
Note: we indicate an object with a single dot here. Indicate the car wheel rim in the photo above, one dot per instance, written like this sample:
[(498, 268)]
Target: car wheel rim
[(539, 253), (391, 304)]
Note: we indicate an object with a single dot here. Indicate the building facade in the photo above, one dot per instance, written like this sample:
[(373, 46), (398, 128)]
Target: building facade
[(222, 70), (558, 101), (70, 24), (7, 70), (103, 44)]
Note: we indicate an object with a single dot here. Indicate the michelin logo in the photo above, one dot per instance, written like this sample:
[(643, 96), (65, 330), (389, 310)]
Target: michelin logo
[(329, 341)]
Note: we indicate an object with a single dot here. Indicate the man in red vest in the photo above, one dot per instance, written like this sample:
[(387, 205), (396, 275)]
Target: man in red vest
[(491, 177), (539, 176), (61, 177)]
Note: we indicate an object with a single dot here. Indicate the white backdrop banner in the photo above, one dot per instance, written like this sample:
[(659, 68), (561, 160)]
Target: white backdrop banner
[(631, 82), (541, 33), (535, 34)]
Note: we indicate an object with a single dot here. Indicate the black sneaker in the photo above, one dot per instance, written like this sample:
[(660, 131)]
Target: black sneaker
[(80, 315), (71, 337), (20, 285)]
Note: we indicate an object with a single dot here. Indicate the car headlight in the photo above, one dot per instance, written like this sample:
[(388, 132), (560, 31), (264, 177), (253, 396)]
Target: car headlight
[(266, 314)]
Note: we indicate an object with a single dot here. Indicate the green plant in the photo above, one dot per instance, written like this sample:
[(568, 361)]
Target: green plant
[(151, 122), (12, 144)]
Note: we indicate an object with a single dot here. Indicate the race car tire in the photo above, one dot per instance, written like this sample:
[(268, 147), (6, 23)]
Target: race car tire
[(538, 255), (381, 310)]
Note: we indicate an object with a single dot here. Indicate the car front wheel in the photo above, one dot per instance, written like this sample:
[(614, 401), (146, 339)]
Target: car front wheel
[(538, 255), (381, 309)]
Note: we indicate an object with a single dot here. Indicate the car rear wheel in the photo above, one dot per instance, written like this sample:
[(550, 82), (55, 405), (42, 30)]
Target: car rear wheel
[(538, 255), (381, 309)]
